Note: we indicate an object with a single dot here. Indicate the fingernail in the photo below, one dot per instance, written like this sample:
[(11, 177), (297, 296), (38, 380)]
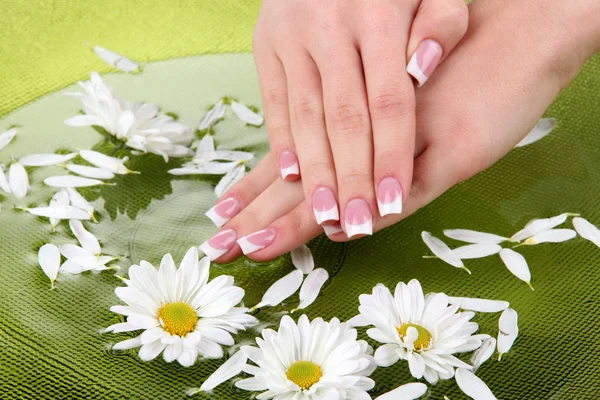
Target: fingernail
[(219, 244), (425, 60), (288, 164), (324, 205), (359, 220), (224, 210), (332, 229), (257, 240), (389, 197)]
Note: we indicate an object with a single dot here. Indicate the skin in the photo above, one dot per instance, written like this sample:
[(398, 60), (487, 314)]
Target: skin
[(484, 98)]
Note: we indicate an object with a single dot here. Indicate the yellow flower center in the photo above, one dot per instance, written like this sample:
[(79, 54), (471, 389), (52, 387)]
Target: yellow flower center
[(304, 374), (423, 340), (178, 318)]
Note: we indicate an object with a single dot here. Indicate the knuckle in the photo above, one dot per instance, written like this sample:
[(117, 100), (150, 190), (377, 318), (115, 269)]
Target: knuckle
[(250, 221), (307, 111), (314, 167), (276, 96), (349, 120), (450, 20), (387, 105), (355, 176)]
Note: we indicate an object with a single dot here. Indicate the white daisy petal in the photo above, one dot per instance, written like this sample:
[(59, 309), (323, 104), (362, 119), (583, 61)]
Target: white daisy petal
[(149, 352), (539, 225), (226, 371), (441, 250), (206, 150), (60, 199), (7, 137), (409, 391), (229, 180), (70, 181), (128, 344), (233, 155), (4, 185), (116, 60), (302, 259), (311, 287), (87, 240), (282, 289), (469, 236), (587, 230), (90, 172), (483, 353), (539, 131), (213, 116), (387, 355), (246, 115), (517, 265), (550, 236), (508, 330), (479, 305), (473, 386), (68, 212), (18, 180), (49, 260), (79, 201), (477, 250), (41, 160), (84, 120), (112, 164)]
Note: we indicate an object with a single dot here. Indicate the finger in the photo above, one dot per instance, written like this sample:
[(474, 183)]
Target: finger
[(437, 28), (242, 194), (349, 132), (310, 136), (391, 107), (274, 92)]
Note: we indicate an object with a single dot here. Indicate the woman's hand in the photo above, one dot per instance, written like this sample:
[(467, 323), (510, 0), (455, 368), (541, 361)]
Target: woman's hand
[(338, 101), (486, 96)]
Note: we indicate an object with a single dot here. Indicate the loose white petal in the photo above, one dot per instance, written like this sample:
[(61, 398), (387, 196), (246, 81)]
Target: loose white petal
[(587, 230), (302, 259), (538, 225), (246, 115), (206, 150), (42, 160), (4, 185), (517, 265), (7, 137), (73, 251), (87, 240), (539, 131), (18, 180), (230, 368), (233, 155), (70, 181), (219, 168), (479, 305), (551, 236), (79, 201), (473, 386), (90, 172), (282, 289), (214, 115), (230, 179), (112, 164), (60, 199), (311, 287), (68, 212), (49, 259), (442, 251), (409, 391), (471, 251), (483, 353), (508, 330), (469, 236), (116, 60)]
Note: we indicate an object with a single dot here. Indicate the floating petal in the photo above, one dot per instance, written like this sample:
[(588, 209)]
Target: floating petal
[(233, 155), (206, 150), (312, 287), (469, 236), (538, 225), (80, 202), (116, 60), (213, 116), (282, 289), (409, 391), (4, 185), (70, 181), (539, 131), (479, 305), (517, 265), (112, 164), (60, 199), (18, 180), (472, 251), (87, 240), (302, 259), (472, 386), (229, 180), (90, 172), (246, 115), (483, 353), (551, 236), (68, 212), (587, 230), (7, 137), (49, 259), (441, 250), (42, 160), (508, 330), (230, 368)]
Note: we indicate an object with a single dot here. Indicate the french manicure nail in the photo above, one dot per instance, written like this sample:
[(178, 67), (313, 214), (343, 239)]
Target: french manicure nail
[(389, 197), (425, 60), (359, 220), (324, 205), (257, 240), (219, 244), (332, 229), (224, 210), (288, 164)]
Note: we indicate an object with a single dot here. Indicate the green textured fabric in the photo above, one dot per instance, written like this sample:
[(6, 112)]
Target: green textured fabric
[(51, 343)]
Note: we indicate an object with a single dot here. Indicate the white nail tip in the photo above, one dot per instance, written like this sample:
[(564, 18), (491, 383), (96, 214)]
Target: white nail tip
[(394, 207), (361, 229), (331, 229), (248, 247), (332, 214), (293, 170), (211, 252), (216, 218), (414, 70)]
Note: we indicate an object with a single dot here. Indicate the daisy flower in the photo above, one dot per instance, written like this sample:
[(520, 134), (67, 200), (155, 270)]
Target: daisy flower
[(181, 314), (424, 330), (309, 360)]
